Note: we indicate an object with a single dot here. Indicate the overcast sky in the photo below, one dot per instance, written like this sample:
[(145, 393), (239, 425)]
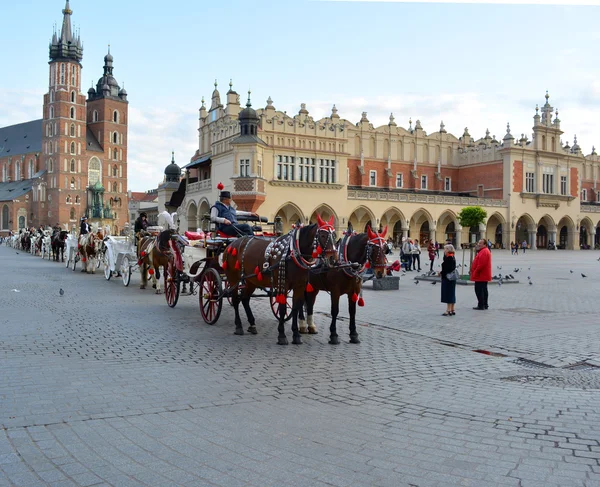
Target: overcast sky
[(470, 65)]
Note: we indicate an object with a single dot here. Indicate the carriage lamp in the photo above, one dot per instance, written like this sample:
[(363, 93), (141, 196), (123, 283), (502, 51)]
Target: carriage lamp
[(278, 225), (206, 224)]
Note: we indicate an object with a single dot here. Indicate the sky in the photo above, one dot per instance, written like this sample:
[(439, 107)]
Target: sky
[(471, 65)]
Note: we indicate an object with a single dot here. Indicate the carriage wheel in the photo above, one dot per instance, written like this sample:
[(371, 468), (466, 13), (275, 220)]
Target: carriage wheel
[(288, 306), (172, 284), (211, 298), (107, 271), (126, 271)]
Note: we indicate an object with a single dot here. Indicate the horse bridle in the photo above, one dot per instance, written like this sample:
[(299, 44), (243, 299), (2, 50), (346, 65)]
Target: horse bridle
[(380, 243)]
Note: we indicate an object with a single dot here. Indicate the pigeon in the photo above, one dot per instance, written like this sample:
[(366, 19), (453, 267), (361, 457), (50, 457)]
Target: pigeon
[(433, 283), (583, 275), (459, 265), (571, 271), (416, 282), (529, 278), (516, 270), (499, 267), (529, 268), (530, 283), (17, 253), (598, 259), (61, 292)]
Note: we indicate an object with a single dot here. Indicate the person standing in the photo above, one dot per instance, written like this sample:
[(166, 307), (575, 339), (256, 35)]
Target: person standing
[(84, 228), (524, 245), (431, 248), (407, 254), (481, 274), (448, 286), (416, 255)]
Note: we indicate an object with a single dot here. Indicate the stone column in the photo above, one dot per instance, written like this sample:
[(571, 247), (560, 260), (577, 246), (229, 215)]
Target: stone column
[(592, 238), (458, 236), (532, 238), (552, 236), (432, 235), (571, 239)]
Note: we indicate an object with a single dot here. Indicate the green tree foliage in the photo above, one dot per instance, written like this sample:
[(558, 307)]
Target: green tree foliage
[(472, 216)]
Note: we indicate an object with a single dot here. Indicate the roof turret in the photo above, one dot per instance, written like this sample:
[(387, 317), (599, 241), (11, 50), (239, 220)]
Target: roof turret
[(172, 171)]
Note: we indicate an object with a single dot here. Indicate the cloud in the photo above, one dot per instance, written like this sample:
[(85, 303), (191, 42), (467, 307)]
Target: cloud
[(501, 2), (18, 106)]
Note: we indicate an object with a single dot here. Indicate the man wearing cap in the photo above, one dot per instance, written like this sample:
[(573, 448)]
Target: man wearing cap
[(225, 216), (84, 228)]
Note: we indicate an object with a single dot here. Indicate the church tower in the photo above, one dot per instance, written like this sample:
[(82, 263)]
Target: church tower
[(64, 127), (107, 118)]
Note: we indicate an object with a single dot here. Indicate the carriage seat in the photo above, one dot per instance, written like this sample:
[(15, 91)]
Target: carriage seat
[(194, 236)]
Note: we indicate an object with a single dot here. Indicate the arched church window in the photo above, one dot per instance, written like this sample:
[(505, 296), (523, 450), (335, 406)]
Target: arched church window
[(51, 96), (115, 171), (31, 168), (114, 187), (115, 138), (95, 116), (72, 112), (72, 165), (77, 199), (51, 116), (94, 171), (73, 96), (72, 214), (50, 165), (68, 198), (72, 147), (116, 116), (62, 74), (72, 183), (115, 154), (72, 130)]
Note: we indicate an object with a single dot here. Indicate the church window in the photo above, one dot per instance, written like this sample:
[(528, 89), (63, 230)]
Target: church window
[(72, 112), (116, 116), (72, 147), (114, 187), (72, 96), (73, 75), (50, 165), (4, 173), (115, 171), (72, 130), (77, 200), (115, 138), (72, 214), (94, 171), (31, 168), (95, 116), (51, 116), (115, 154), (62, 74), (51, 96), (72, 165), (72, 183), (584, 195), (18, 171), (5, 217), (69, 198)]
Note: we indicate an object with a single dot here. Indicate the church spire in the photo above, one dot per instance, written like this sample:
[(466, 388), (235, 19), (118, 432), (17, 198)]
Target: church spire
[(66, 46)]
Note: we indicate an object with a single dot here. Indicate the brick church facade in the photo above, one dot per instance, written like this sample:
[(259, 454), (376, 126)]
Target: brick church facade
[(73, 161)]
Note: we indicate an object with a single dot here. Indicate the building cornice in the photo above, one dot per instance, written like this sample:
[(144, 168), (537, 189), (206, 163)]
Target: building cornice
[(303, 184)]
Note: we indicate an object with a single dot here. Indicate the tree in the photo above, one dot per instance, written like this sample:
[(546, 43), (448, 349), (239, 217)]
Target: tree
[(472, 216)]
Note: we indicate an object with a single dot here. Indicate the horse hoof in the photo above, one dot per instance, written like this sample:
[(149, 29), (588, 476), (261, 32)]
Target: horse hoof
[(312, 330), (334, 340), (252, 329), (238, 331), (297, 340), (282, 341), (83, 270), (354, 340), (303, 329), (153, 286)]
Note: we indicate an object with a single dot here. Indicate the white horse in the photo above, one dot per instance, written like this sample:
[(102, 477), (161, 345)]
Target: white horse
[(47, 245)]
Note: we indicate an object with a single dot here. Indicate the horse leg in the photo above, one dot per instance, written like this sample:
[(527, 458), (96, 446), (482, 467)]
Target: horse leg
[(235, 301), (352, 311), (335, 309), (246, 303), (301, 318), (310, 316), (144, 275), (298, 302), (281, 338)]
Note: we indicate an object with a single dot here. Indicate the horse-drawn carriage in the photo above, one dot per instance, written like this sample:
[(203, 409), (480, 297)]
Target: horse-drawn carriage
[(289, 269), (119, 258)]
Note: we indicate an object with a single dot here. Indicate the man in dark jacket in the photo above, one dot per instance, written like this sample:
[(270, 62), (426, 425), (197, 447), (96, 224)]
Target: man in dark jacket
[(141, 223), (84, 228), (225, 216)]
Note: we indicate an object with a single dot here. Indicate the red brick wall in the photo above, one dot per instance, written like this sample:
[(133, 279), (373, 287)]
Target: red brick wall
[(574, 182), (489, 175), (518, 176), (591, 193)]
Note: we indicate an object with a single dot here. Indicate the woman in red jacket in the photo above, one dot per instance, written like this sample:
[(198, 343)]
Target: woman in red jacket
[(481, 274)]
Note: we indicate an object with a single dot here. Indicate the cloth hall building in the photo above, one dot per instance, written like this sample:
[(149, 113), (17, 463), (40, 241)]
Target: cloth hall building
[(535, 190), (73, 161)]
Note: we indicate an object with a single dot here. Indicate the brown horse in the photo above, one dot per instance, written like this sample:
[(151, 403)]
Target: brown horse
[(280, 265), (366, 249), (88, 248), (153, 253)]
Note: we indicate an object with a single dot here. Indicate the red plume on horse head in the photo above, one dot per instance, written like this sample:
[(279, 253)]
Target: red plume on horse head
[(323, 224), (372, 235)]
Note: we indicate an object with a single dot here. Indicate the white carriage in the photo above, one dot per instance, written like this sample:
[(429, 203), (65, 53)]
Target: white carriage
[(119, 258)]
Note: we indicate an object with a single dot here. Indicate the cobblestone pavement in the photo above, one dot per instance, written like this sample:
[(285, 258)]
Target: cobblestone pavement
[(108, 386)]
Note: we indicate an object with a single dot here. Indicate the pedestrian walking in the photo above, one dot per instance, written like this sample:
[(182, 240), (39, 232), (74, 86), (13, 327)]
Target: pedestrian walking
[(431, 248), (416, 254), (437, 249), (481, 274), (448, 285), (524, 245)]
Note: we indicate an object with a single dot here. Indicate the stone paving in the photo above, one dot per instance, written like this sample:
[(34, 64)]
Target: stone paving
[(106, 385)]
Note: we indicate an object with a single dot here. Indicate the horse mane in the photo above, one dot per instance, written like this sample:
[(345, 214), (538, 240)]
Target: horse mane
[(163, 238), (306, 238), (357, 248)]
